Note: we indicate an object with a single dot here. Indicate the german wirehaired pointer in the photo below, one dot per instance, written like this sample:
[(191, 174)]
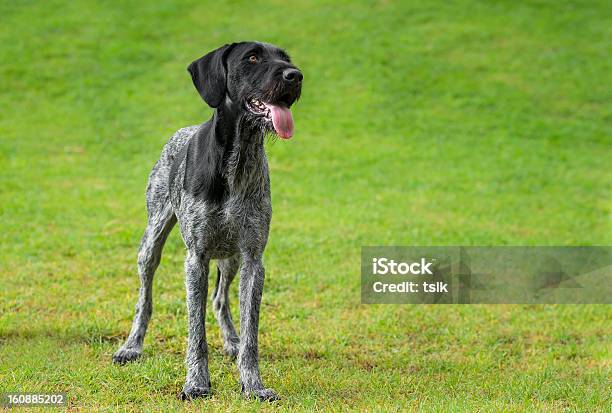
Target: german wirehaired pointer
[(213, 179)]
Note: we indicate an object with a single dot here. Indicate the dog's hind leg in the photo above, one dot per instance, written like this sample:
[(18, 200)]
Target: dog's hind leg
[(160, 223), (226, 271), (149, 256)]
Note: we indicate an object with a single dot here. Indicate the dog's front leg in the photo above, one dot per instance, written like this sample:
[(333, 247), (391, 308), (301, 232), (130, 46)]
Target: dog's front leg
[(197, 383), (251, 288)]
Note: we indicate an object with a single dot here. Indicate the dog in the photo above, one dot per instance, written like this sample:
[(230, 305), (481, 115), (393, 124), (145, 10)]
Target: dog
[(213, 180)]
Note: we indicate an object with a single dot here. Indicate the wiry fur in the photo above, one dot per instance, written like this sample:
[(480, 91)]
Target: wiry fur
[(213, 179)]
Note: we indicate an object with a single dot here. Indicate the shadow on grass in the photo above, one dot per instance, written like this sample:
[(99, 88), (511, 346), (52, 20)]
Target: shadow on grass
[(70, 335)]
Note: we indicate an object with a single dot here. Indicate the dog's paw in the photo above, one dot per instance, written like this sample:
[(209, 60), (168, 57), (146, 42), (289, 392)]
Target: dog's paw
[(191, 392), (125, 355), (267, 395)]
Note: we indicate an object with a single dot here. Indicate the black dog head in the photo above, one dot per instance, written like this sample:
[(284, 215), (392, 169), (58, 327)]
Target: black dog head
[(257, 78)]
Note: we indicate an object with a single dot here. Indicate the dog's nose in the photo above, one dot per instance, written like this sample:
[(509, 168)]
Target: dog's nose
[(292, 75)]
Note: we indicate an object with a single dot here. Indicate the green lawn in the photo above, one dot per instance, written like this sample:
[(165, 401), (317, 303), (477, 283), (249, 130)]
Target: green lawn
[(456, 123)]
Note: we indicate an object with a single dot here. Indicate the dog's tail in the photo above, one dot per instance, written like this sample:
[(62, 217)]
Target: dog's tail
[(218, 281)]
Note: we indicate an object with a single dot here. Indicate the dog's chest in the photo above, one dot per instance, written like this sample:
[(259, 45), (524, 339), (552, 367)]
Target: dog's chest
[(218, 229), (238, 215)]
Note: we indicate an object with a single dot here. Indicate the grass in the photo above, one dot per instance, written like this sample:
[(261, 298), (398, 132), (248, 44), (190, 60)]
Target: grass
[(449, 123)]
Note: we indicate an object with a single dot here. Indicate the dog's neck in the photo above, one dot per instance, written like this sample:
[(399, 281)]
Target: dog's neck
[(226, 158), (244, 164)]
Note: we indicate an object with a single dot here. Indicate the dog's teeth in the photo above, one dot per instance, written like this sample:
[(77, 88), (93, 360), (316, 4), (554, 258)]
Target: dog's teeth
[(258, 105)]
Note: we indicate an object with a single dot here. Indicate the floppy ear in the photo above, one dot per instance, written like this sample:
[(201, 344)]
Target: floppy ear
[(209, 75)]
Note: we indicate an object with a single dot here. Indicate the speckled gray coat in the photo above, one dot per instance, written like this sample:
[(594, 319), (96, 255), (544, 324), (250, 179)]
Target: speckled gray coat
[(213, 179)]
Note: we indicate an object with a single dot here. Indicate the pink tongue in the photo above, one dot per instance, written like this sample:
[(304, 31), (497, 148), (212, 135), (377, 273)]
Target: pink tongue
[(282, 120)]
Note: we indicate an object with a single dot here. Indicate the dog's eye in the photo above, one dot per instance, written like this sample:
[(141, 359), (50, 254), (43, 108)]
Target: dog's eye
[(253, 59)]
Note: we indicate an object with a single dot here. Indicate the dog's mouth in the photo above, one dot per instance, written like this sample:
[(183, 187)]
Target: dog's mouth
[(278, 114)]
